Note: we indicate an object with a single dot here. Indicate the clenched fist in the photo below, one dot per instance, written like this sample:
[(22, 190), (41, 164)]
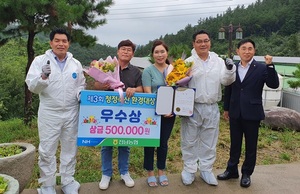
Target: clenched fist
[(268, 59), (229, 63)]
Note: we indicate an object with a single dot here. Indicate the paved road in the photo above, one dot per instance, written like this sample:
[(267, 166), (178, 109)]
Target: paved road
[(268, 179)]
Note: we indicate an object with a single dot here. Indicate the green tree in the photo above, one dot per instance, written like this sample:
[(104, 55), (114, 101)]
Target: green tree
[(86, 55), (293, 45), (295, 84), (177, 50), (12, 69), (32, 17)]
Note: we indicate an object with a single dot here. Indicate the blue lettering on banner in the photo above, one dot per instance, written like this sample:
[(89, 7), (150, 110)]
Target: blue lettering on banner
[(121, 116), (95, 98), (107, 114), (135, 117)]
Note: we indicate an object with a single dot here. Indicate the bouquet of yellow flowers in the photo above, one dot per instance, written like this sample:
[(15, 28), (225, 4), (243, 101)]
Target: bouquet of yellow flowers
[(178, 73)]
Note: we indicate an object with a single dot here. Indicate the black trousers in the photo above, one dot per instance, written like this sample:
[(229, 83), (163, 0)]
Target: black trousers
[(239, 128), (162, 151)]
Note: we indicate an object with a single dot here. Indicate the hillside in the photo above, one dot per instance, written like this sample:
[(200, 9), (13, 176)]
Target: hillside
[(272, 24)]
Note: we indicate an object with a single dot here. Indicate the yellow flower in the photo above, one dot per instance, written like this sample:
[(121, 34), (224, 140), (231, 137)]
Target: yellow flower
[(180, 70)]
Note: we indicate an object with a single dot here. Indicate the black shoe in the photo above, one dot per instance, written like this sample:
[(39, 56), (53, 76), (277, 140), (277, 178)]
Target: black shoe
[(245, 180), (227, 175)]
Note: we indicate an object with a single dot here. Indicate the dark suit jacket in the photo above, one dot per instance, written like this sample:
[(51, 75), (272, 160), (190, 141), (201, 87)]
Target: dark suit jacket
[(244, 99)]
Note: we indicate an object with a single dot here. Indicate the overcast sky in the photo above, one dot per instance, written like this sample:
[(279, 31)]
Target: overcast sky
[(144, 20)]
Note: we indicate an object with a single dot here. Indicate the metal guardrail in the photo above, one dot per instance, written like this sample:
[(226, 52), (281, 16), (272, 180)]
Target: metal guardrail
[(276, 59), (291, 100)]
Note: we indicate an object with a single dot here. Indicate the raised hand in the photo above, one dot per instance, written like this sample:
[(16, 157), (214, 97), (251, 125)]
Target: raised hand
[(46, 69), (229, 63), (268, 59)]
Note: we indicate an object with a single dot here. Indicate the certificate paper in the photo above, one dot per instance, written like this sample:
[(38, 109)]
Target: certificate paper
[(164, 102), (184, 101), (175, 100)]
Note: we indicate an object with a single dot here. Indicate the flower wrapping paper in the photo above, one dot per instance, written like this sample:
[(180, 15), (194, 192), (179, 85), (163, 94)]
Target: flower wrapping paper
[(110, 77), (107, 72), (177, 73)]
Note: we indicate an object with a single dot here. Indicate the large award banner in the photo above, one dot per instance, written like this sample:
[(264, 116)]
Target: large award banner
[(105, 121)]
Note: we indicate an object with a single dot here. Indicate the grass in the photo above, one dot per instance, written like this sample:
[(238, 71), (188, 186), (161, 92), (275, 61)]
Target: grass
[(274, 147)]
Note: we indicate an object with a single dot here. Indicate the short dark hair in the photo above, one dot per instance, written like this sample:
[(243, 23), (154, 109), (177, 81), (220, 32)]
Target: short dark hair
[(59, 31), (200, 32), (157, 43), (126, 43), (243, 41)]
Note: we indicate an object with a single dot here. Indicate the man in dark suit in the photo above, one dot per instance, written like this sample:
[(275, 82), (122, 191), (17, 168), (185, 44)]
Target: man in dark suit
[(243, 108)]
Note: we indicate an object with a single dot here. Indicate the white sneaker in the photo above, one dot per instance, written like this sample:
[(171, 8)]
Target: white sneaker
[(71, 188), (128, 180), (104, 183), (187, 178), (46, 190), (209, 177)]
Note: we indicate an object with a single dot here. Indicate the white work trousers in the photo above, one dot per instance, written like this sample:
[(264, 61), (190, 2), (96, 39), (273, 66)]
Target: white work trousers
[(54, 127), (199, 136)]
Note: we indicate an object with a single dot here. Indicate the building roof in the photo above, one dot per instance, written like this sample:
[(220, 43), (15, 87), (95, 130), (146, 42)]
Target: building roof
[(141, 62)]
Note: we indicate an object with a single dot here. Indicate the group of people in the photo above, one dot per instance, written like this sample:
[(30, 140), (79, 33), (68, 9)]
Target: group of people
[(58, 79)]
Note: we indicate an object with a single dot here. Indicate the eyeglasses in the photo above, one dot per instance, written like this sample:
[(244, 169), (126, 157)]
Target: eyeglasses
[(202, 41), (126, 49)]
